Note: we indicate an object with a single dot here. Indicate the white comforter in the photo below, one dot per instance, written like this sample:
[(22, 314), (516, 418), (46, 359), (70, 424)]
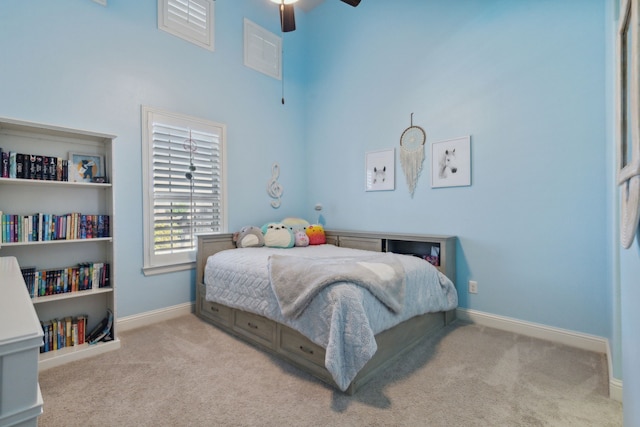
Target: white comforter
[(343, 318)]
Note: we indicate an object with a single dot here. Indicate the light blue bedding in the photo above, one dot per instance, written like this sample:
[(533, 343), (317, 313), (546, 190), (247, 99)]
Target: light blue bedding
[(343, 318)]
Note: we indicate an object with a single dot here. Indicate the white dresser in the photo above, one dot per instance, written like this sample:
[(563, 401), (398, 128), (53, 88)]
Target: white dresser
[(20, 339)]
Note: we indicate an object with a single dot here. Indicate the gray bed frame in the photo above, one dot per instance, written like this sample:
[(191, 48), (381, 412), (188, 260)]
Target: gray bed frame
[(295, 348)]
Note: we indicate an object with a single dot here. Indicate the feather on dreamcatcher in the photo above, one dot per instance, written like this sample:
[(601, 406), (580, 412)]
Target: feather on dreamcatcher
[(412, 143)]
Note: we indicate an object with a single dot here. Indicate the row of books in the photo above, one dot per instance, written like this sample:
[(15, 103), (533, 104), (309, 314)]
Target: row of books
[(33, 166), (84, 276), (64, 332), (72, 331), (41, 227)]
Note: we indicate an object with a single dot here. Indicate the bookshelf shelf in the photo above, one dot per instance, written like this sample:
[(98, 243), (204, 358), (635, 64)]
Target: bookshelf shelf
[(24, 198), (67, 295), (57, 242), (41, 183)]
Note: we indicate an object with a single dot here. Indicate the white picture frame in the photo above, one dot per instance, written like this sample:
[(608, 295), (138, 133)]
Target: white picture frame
[(451, 162), (380, 170)]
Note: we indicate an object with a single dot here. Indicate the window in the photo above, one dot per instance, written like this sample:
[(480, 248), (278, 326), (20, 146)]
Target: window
[(191, 20), (183, 184)]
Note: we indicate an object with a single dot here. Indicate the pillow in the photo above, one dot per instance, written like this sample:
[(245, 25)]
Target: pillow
[(278, 235), (316, 235), (296, 224), (301, 238), (249, 237)]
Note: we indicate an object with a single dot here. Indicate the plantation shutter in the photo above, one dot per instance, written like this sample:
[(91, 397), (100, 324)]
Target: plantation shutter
[(191, 20), (183, 207)]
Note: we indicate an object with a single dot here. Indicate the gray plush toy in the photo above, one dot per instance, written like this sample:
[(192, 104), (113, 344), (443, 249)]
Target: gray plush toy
[(249, 237)]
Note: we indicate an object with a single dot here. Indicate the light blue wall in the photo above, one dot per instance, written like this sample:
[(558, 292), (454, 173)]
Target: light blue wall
[(526, 79), (78, 64)]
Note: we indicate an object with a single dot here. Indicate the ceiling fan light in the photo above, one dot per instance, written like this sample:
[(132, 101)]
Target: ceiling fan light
[(285, 1)]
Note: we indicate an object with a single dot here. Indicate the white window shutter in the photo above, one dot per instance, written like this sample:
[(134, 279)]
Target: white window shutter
[(184, 188), (191, 20)]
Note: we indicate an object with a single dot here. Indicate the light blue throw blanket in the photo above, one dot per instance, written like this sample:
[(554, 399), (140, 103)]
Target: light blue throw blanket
[(342, 318), (296, 280)]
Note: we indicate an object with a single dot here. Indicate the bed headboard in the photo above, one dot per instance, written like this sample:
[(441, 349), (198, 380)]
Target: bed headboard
[(209, 244)]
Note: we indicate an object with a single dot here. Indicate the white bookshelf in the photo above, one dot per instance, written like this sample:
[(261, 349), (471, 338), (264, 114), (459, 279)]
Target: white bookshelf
[(24, 196)]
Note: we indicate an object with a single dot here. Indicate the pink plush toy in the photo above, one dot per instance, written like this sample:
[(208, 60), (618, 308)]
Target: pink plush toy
[(301, 238)]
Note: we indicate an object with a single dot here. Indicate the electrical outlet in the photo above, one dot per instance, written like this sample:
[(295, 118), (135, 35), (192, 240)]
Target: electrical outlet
[(473, 287)]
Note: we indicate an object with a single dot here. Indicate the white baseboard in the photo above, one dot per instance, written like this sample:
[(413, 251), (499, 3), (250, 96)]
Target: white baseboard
[(149, 317), (548, 333)]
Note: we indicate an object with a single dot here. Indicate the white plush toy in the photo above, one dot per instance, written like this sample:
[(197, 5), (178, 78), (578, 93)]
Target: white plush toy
[(278, 235)]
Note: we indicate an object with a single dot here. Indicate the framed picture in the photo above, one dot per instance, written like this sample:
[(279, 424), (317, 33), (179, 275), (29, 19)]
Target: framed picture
[(85, 167), (380, 170), (451, 162)]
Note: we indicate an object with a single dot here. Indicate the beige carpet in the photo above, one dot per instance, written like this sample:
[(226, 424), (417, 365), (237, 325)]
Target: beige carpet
[(185, 372)]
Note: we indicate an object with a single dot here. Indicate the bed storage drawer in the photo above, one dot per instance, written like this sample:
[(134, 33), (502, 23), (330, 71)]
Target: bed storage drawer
[(297, 346), (216, 312), (255, 327)]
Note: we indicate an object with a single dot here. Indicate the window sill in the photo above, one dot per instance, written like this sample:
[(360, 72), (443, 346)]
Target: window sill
[(164, 269)]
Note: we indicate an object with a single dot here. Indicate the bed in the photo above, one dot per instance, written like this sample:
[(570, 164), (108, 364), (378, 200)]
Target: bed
[(342, 333)]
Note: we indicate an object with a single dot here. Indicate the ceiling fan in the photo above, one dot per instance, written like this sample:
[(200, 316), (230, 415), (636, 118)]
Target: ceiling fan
[(287, 16)]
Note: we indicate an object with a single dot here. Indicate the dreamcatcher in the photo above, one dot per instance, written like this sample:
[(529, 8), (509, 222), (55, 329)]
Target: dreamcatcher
[(412, 153)]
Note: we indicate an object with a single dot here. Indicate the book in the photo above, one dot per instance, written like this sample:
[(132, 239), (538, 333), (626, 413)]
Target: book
[(102, 331), (82, 325), (31, 173), (45, 168), (5, 165), (53, 168), (39, 167), (46, 328), (74, 331), (106, 276), (19, 165), (12, 164), (68, 331), (59, 169)]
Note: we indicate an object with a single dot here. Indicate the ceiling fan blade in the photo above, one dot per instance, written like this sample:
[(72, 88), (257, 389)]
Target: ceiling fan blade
[(287, 18), (353, 3)]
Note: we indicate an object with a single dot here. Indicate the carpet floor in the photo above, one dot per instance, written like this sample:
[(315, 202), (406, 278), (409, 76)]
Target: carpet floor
[(185, 372)]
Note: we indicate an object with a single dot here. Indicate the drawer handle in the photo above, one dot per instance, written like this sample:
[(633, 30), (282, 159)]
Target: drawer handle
[(214, 309), (251, 325), (306, 349)]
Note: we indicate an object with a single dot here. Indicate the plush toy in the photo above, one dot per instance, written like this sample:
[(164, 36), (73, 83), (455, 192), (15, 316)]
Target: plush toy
[(249, 237), (296, 224), (301, 238), (278, 235), (316, 234)]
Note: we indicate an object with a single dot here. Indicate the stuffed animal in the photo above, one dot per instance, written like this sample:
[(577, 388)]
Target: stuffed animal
[(278, 235), (296, 224), (301, 238), (249, 237), (316, 234)]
